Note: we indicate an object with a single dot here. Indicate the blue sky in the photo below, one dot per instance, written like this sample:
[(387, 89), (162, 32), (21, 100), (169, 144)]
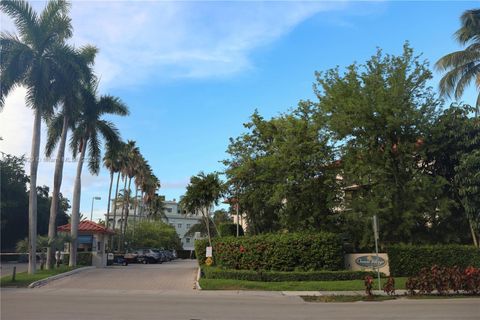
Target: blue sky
[(193, 72)]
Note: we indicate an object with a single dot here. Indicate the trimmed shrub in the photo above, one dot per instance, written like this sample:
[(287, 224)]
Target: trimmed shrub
[(227, 229), (408, 260), (279, 252), (444, 280), (278, 276), (83, 258)]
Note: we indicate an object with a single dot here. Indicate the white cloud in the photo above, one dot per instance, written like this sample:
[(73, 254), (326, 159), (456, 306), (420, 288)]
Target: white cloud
[(141, 41)]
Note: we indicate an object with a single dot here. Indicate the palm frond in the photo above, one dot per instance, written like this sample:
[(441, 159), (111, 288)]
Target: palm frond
[(55, 22), (470, 29), (15, 61), (55, 127), (24, 16), (109, 131), (94, 156), (112, 105)]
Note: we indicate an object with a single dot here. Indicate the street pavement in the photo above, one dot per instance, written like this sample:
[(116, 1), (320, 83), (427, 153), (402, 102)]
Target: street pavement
[(166, 292)]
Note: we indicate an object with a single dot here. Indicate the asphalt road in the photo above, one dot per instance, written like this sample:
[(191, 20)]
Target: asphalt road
[(165, 292), (60, 304)]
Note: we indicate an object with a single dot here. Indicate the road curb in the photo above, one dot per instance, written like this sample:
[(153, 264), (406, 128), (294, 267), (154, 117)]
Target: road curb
[(43, 282)]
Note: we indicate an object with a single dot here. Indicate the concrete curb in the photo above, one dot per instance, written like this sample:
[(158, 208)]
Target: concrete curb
[(339, 293), (197, 284), (43, 282)]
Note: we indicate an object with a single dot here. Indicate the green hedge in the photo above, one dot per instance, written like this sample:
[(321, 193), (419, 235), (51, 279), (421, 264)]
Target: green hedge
[(408, 260), (279, 252), (278, 276), (83, 258)]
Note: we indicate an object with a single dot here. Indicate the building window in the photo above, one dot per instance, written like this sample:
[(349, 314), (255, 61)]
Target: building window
[(188, 226), (187, 240), (179, 226), (169, 210)]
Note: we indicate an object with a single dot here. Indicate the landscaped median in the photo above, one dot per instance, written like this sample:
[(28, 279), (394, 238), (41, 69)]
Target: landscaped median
[(214, 278), (23, 279)]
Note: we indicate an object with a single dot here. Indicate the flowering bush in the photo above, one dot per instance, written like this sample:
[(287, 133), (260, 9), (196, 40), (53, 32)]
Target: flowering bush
[(444, 280)]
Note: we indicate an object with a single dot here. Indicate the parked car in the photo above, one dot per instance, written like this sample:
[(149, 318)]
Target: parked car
[(116, 260), (131, 257), (148, 256)]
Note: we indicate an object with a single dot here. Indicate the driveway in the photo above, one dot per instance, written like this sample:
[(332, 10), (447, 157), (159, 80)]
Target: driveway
[(177, 275)]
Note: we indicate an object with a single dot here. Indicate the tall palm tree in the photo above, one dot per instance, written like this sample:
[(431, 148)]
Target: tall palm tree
[(32, 59), (89, 130), (111, 161), (133, 154), (462, 67), (67, 88)]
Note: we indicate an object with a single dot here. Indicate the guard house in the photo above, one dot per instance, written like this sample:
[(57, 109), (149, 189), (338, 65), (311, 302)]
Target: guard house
[(92, 237)]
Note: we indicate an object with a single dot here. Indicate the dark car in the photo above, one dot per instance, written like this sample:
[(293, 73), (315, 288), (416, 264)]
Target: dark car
[(148, 256), (116, 260)]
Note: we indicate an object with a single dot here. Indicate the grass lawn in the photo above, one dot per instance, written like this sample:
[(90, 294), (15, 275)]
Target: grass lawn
[(345, 285), (23, 279), (345, 298)]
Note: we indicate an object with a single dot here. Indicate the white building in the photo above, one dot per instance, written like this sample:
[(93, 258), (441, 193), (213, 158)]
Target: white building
[(182, 222)]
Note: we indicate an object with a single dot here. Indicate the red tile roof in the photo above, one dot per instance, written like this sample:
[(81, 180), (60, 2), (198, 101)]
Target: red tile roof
[(87, 226)]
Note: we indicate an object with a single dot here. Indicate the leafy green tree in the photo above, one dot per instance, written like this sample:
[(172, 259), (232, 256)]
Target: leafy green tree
[(463, 67), (281, 171), (379, 113), (33, 59), (153, 234), (203, 191), (453, 138)]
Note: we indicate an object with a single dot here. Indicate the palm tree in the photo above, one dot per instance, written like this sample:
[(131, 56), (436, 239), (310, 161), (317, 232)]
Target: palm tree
[(86, 138), (203, 191), (132, 154), (67, 88), (32, 59), (462, 67), (111, 161)]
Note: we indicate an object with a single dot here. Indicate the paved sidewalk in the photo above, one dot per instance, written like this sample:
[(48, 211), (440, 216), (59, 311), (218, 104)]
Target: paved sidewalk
[(177, 275)]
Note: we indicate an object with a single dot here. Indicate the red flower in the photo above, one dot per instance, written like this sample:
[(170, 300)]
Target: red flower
[(242, 249)]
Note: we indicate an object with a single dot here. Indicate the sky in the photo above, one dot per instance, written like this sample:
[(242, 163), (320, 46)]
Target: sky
[(193, 72)]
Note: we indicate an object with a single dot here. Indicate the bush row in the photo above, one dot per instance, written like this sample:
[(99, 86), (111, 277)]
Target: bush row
[(407, 260), (279, 252), (83, 258), (444, 280), (277, 276)]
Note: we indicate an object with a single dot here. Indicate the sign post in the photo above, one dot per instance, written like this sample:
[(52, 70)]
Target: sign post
[(375, 234)]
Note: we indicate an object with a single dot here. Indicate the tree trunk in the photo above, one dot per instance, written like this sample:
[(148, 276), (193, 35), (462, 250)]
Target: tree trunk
[(32, 201), (109, 199), (127, 209), (474, 236), (207, 221), (120, 237), (115, 211), (57, 183), (135, 208), (77, 189)]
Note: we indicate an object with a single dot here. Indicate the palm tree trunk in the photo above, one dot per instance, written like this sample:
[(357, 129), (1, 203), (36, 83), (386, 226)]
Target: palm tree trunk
[(135, 208), (207, 221), (115, 210), (32, 201), (109, 199), (57, 183), (77, 189), (120, 237), (127, 209)]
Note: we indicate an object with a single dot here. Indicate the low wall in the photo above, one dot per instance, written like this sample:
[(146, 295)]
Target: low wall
[(367, 262)]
